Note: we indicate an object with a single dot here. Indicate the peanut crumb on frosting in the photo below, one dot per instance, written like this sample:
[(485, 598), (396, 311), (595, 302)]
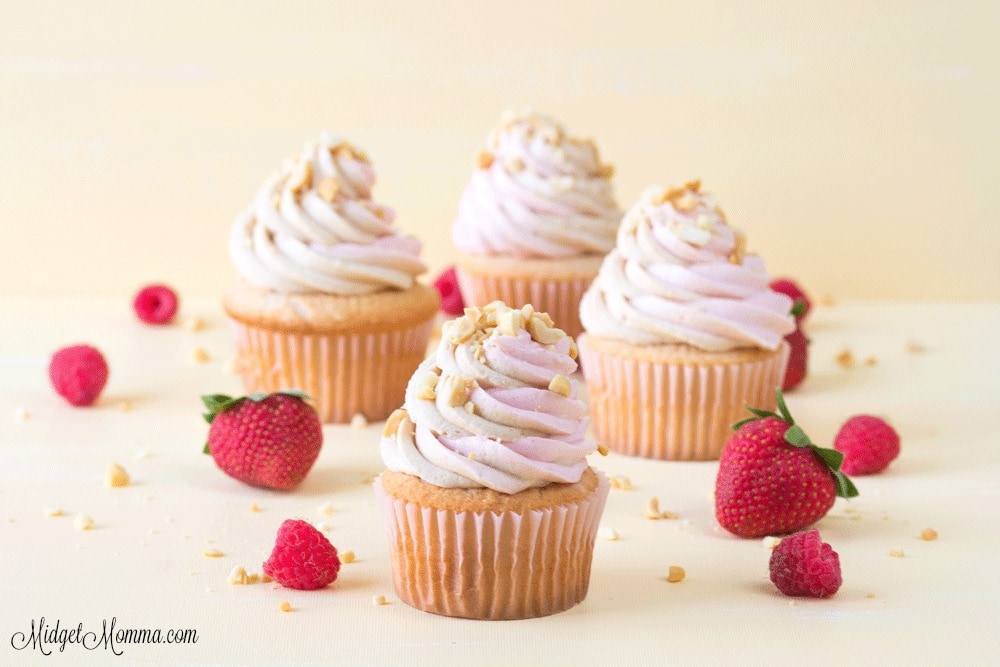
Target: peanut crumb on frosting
[(514, 165), (484, 160), (116, 477), (328, 188), (739, 250), (392, 423), (560, 385), (675, 574), (928, 535)]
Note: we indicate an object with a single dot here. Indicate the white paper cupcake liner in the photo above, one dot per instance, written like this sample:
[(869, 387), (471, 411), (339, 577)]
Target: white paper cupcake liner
[(676, 411), (346, 374), (492, 565)]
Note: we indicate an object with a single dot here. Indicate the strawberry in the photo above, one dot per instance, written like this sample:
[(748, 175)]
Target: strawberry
[(801, 305), (269, 440), (772, 479), (798, 359)]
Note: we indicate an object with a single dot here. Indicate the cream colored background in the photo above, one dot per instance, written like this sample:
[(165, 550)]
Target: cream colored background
[(856, 143)]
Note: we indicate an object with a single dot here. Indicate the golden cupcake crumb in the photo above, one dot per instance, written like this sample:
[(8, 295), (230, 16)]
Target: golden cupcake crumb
[(212, 553), (359, 422), (928, 535), (116, 477), (285, 605), (83, 522), (845, 359), (675, 574), (379, 600), (560, 385)]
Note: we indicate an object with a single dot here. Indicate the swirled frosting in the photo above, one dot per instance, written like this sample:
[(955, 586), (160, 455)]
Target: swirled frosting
[(313, 227), (680, 274), (537, 193), (494, 407)]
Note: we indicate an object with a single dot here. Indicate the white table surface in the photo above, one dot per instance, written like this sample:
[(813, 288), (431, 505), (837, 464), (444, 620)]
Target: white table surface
[(143, 564)]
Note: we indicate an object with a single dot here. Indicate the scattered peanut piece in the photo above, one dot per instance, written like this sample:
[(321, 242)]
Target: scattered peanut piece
[(369, 478), (193, 324), (871, 361), (602, 449), (116, 477), (606, 533), (285, 605), (770, 542), (897, 553), (675, 574), (323, 527), (379, 600), (52, 511), (928, 535), (670, 516), (653, 509), (83, 522), (915, 347), (254, 507), (827, 300), (253, 578), (212, 553), (347, 557), (846, 358), (141, 454), (200, 355), (265, 578), (870, 596), (238, 576), (21, 413), (359, 422), (326, 509), (621, 482)]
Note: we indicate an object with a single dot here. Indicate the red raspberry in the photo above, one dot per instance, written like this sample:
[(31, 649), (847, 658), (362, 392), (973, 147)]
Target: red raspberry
[(302, 558), (804, 565), (868, 443), (798, 360), (451, 297), (78, 373), (801, 303), (155, 304)]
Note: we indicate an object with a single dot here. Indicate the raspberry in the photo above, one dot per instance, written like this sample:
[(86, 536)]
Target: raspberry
[(78, 373), (803, 565), (801, 303), (451, 297), (868, 443), (302, 558), (155, 304)]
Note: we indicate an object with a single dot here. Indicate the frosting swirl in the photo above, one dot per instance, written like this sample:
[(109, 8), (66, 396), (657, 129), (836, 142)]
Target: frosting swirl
[(494, 407), (680, 274), (313, 227), (537, 193)]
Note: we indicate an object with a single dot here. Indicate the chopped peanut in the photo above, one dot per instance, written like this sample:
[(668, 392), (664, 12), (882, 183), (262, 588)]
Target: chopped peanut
[(675, 574), (347, 557), (285, 605), (560, 385), (212, 553), (928, 534), (116, 477), (392, 424)]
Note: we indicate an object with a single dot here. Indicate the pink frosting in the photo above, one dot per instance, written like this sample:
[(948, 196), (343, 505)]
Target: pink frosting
[(679, 274), (511, 433), (538, 193)]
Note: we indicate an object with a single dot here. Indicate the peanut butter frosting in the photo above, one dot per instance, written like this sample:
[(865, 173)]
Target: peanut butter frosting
[(314, 227), (681, 274), (537, 193), (494, 407)]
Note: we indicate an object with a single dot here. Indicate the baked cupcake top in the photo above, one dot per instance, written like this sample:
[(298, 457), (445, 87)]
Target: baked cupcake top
[(537, 193), (680, 274), (314, 227), (494, 406)]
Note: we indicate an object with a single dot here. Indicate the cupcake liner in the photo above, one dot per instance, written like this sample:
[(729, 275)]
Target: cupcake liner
[(675, 410), (346, 374), (559, 297), (492, 565)]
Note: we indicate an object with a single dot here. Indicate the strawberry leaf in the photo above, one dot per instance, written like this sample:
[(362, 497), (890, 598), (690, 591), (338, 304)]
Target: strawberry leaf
[(798, 308), (741, 422), (782, 408), (831, 457), (845, 487), (206, 450), (762, 413), (796, 436)]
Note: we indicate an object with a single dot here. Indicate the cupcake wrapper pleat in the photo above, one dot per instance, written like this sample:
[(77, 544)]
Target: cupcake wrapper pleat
[(346, 374), (492, 565), (559, 297), (675, 411)]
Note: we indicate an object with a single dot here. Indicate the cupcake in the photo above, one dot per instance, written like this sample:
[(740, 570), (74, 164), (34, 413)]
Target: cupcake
[(682, 330), (327, 300), (491, 507), (536, 219)]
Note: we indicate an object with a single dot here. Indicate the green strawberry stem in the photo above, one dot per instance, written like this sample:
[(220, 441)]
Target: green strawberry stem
[(796, 437), (216, 403), (798, 308)]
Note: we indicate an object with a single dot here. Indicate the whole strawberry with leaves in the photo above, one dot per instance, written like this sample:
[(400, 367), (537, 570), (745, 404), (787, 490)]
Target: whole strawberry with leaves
[(772, 479), (269, 440)]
